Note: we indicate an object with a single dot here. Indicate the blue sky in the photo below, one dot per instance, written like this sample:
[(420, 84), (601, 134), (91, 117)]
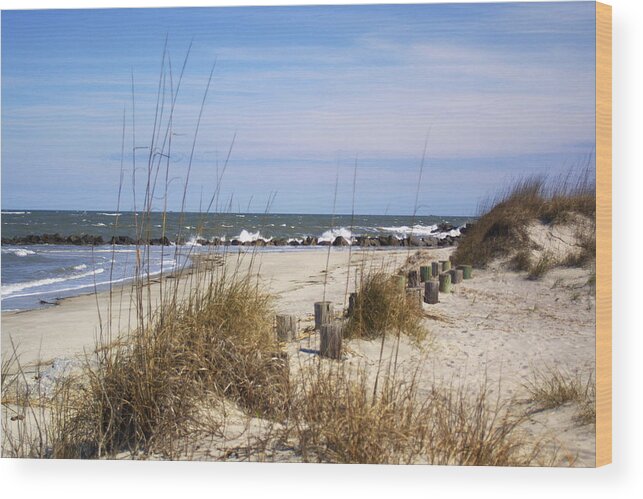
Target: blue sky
[(501, 91)]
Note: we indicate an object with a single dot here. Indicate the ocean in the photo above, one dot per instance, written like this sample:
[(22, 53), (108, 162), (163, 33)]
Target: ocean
[(37, 275)]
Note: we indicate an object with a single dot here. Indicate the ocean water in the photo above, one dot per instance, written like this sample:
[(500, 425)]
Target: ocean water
[(34, 275)]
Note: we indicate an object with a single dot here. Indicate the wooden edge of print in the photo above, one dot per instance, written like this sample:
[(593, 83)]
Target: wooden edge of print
[(603, 234)]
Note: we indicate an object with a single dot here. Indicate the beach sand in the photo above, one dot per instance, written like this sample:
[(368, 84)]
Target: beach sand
[(493, 330)]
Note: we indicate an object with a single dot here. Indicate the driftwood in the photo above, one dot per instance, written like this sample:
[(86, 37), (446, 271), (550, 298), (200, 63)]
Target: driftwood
[(330, 340)]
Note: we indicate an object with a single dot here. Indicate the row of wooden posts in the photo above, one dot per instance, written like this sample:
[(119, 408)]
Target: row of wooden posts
[(437, 278)]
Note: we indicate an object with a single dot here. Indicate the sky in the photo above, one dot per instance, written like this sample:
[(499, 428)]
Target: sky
[(303, 99)]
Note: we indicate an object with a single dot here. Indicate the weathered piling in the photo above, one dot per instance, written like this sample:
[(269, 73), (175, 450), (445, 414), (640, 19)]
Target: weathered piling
[(445, 282), (323, 313), (435, 268), (412, 281), (456, 276), (352, 301), (467, 271), (431, 292), (286, 327), (425, 273), (414, 295), (446, 265), (330, 343), (400, 281)]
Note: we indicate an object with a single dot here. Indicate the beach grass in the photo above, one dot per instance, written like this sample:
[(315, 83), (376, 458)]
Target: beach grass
[(381, 307), (501, 229), (338, 417), (552, 387)]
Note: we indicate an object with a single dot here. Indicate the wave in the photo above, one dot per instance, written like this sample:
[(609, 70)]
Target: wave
[(416, 230), (18, 251), (331, 235), (11, 289), (82, 266), (193, 241), (420, 230), (16, 212), (248, 237), (87, 285), (110, 214)]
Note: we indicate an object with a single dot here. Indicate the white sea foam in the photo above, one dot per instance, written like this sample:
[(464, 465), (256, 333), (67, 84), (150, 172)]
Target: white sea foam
[(18, 251), (193, 241), (331, 235), (11, 289), (110, 214), (452, 233), (247, 237), (416, 230), (82, 266), (16, 212), (99, 224)]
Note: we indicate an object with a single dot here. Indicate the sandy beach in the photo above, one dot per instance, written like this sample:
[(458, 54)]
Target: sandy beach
[(493, 330)]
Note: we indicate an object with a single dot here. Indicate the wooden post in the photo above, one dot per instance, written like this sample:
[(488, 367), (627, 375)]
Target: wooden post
[(445, 282), (446, 265), (425, 273), (414, 295), (401, 281), (467, 271), (323, 313), (330, 343), (431, 292), (352, 300), (286, 327), (412, 279), (456, 276), (435, 268)]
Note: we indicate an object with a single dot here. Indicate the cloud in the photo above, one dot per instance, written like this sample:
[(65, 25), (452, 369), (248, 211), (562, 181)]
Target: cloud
[(372, 85)]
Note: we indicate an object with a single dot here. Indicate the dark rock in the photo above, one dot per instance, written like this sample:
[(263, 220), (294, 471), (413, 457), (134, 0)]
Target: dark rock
[(340, 241), (431, 241), (445, 227), (393, 241)]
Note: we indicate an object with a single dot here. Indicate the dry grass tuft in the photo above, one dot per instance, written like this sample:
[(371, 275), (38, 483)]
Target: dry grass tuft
[(339, 418), (541, 267), (521, 261), (553, 388), (502, 228), (381, 306), (147, 392)]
